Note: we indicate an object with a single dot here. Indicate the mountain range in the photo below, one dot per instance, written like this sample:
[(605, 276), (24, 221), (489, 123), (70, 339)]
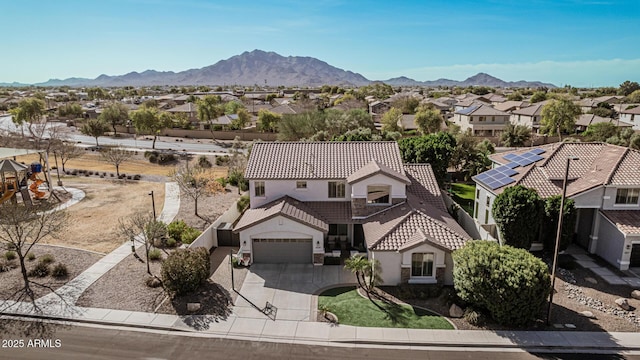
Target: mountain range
[(268, 68)]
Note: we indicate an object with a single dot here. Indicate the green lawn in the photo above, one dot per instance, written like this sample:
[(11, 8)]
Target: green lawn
[(464, 195), (353, 309)]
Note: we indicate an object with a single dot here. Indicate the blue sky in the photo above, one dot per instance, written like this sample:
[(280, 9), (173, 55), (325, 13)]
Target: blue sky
[(578, 42)]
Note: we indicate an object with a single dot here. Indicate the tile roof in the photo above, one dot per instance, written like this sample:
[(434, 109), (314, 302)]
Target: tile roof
[(394, 229), (481, 110), (535, 109), (627, 221), (424, 184), (186, 107), (319, 160), (635, 110), (599, 164), (285, 206), (374, 167)]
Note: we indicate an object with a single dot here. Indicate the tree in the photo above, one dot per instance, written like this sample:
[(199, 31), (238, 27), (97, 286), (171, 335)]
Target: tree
[(559, 116), (515, 96), (184, 270), (67, 151), (242, 120), (391, 119), (23, 227), (634, 97), (515, 135), (628, 87), (550, 228), (151, 121), (538, 96), (141, 228), (435, 149), (94, 128), (29, 110), (368, 274), (511, 284), (634, 142), (407, 104), (517, 213), (428, 121), (72, 110), (601, 131), (116, 156), (268, 121), (194, 182), (115, 114)]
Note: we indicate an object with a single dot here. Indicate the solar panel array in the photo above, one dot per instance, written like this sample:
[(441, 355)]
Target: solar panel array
[(502, 175)]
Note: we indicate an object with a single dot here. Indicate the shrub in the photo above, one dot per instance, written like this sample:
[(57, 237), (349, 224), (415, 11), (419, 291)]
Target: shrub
[(153, 282), (551, 211), (222, 181), (136, 177), (222, 160), (47, 259), (175, 229), (10, 255), (40, 270), (6, 265), (511, 284), (189, 234), (171, 242), (31, 256), (153, 158), (155, 254), (516, 212), (204, 162), (185, 269), (474, 317), (243, 203), (59, 271)]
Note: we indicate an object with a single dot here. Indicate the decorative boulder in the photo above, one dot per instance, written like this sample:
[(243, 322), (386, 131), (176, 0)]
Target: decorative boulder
[(193, 307), (635, 294), (623, 304), (455, 311), (591, 280), (587, 314)]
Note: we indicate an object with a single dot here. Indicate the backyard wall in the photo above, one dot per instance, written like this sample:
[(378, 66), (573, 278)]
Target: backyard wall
[(209, 238), (207, 134), (465, 220)]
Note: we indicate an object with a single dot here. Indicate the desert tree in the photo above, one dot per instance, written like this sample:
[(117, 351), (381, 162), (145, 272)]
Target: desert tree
[(116, 157), (142, 228), (195, 182), (268, 121), (152, 121), (29, 111), (94, 128), (559, 116), (66, 151), (391, 119), (115, 114), (21, 228), (428, 121)]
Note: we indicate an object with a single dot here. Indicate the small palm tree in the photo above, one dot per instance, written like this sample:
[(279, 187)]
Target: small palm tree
[(367, 274)]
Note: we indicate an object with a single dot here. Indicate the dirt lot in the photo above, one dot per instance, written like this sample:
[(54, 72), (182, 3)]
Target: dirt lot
[(93, 222)]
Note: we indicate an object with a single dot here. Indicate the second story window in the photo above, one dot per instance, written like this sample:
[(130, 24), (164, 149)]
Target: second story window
[(627, 196), (301, 184), (378, 194), (336, 189), (258, 189)]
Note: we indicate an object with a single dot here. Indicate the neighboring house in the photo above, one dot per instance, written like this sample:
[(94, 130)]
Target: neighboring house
[(604, 183), (511, 105), (378, 108), (529, 116), (589, 104), (631, 116), (189, 109), (584, 120), (482, 120), (311, 200)]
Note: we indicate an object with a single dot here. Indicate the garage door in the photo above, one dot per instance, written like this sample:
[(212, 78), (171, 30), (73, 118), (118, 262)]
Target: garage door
[(635, 256), (276, 251)]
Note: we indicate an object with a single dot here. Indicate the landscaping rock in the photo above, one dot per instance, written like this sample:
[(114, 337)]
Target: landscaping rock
[(455, 311), (587, 314), (591, 280), (193, 307), (623, 304), (635, 294)]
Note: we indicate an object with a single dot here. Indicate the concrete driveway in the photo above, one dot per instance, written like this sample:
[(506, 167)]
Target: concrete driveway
[(289, 287)]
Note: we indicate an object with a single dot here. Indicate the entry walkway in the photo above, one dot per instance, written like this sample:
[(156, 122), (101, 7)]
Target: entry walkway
[(587, 261)]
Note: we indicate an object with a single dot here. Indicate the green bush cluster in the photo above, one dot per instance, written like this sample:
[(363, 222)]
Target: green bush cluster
[(47, 259), (10, 255), (204, 162), (184, 270), (41, 269), (155, 254), (178, 230), (511, 284), (189, 235), (157, 157), (60, 271), (243, 203)]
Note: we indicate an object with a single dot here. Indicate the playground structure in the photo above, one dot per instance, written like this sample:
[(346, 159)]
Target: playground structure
[(14, 178)]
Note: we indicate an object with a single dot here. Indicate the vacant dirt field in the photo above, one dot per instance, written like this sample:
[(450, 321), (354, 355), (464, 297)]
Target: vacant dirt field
[(93, 222)]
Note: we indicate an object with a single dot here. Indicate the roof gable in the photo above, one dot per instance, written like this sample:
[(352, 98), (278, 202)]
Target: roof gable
[(287, 207), (373, 168)]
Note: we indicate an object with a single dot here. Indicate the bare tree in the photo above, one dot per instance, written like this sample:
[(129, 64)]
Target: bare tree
[(142, 228), (67, 151), (116, 156), (21, 228), (195, 181)]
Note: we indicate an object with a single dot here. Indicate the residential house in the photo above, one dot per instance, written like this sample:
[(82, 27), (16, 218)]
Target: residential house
[(529, 116), (588, 104), (604, 183), (511, 105), (377, 108), (584, 120), (482, 120), (311, 200), (631, 116)]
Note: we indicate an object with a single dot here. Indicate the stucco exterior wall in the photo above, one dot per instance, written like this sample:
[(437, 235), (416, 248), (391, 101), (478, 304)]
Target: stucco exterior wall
[(609, 202), (359, 189), (611, 243), (390, 264), (481, 205), (317, 190), (589, 199)]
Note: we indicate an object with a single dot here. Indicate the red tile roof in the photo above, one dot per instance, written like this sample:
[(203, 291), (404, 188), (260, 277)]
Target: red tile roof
[(285, 206), (627, 221)]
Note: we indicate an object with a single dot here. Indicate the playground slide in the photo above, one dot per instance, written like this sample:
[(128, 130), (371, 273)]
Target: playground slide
[(7, 195), (34, 189)]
